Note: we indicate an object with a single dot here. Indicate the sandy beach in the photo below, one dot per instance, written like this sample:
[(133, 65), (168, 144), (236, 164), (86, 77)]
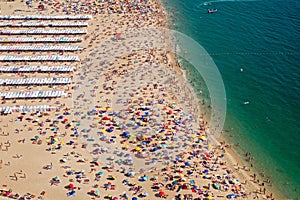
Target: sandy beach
[(127, 127)]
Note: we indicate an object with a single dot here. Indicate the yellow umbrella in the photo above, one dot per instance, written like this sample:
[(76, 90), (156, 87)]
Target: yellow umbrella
[(202, 137), (137, 149)]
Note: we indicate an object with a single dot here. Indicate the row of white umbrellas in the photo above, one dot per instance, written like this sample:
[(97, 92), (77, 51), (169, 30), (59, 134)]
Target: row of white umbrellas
[(40, 48), (24, 109), (40, 58), (43, 31), (44, 24), (47, 39), (27, 68), (36, 81), (32, 94), (47, 17)]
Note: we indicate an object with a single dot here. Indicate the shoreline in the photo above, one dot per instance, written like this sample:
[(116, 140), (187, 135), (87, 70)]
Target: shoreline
[(57, 158), (235, 160)]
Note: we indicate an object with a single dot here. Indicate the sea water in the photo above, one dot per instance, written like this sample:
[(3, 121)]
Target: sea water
[(256, 47)]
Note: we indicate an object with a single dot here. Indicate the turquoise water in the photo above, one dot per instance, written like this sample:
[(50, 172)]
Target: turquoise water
[(263, 38)]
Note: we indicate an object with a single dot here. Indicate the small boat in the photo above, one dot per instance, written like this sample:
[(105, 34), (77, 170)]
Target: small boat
[(246, 102), (209, 11)]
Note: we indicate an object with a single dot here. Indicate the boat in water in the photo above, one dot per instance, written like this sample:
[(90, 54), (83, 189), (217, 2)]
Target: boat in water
[(210, 11)]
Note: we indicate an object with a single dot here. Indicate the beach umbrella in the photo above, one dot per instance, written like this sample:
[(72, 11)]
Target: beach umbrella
[(105, 118), (110, 130), (99, 173), (230, 196), (137, 149), (188, 163), (126, 134), (134, 198), (155, 149), (202, 137), (175, 182)]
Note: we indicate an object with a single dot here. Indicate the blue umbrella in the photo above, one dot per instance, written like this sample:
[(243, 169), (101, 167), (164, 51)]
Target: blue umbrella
[(126, 134), (110, 130), (231, 196), (155, 149), (99, 173), (134, 198)]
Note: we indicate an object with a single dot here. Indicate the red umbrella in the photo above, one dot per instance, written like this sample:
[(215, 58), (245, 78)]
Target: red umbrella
[(161, 193), (105, 118)]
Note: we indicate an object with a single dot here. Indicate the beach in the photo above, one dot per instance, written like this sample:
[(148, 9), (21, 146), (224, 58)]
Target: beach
[(126, 127)]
